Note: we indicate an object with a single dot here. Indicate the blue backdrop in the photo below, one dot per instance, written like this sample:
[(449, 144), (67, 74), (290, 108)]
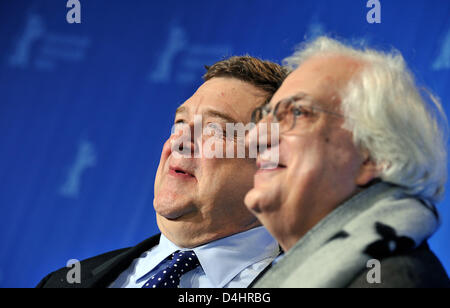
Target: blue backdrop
[(85, 108)]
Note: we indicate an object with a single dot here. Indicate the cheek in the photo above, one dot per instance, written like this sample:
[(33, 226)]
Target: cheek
[(303, 155), (341, 163), (310, 162), (224, 186), (227, 172), (345, 158)]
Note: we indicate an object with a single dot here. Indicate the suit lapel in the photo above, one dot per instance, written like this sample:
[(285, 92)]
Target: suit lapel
[(103, 275), (268, 267)]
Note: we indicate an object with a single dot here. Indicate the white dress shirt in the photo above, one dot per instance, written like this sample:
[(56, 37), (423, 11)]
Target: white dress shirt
[(230, 262)]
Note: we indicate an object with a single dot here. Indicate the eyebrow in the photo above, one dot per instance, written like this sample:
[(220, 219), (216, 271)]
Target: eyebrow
[(180, 109), (218, 114), (300, 96), (210, 113)]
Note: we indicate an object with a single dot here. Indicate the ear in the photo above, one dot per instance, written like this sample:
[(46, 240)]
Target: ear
[(368, 170)]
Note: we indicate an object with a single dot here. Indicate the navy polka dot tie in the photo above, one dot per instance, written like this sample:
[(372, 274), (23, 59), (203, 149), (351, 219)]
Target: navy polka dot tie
[(169, 277)]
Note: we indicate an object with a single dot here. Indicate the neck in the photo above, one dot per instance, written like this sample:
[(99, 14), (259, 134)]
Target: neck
[(193, 235)]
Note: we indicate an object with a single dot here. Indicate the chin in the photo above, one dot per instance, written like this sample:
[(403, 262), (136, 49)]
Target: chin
[(253, 200), (170, 207), (262, 199)]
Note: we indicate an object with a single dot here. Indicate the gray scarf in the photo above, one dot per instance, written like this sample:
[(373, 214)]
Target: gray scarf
[(379, 222)]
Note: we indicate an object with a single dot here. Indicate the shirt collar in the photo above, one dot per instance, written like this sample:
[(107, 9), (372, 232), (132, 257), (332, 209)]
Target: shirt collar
[(234, 253)]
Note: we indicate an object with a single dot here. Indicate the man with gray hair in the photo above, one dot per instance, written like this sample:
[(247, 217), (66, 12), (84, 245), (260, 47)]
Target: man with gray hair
[(362, 165)]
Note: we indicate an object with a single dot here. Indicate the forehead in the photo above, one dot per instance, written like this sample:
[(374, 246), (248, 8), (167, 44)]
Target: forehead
[(231, 96), (321, 77)]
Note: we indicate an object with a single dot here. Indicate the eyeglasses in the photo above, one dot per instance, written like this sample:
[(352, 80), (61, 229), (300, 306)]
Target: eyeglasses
[(287, 111)]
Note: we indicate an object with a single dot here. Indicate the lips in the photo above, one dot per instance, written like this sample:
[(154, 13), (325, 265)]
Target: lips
[(269, 165), (181, 171)]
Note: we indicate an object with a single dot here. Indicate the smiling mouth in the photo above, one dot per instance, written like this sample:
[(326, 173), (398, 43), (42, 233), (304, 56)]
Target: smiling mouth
[(269, 166)]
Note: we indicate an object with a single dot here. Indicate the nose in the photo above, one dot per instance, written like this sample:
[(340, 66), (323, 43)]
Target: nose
[(185, 140), (262, 136)]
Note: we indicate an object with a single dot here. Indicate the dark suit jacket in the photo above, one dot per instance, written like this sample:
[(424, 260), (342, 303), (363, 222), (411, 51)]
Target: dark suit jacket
[(102, 270), (419, 268)]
